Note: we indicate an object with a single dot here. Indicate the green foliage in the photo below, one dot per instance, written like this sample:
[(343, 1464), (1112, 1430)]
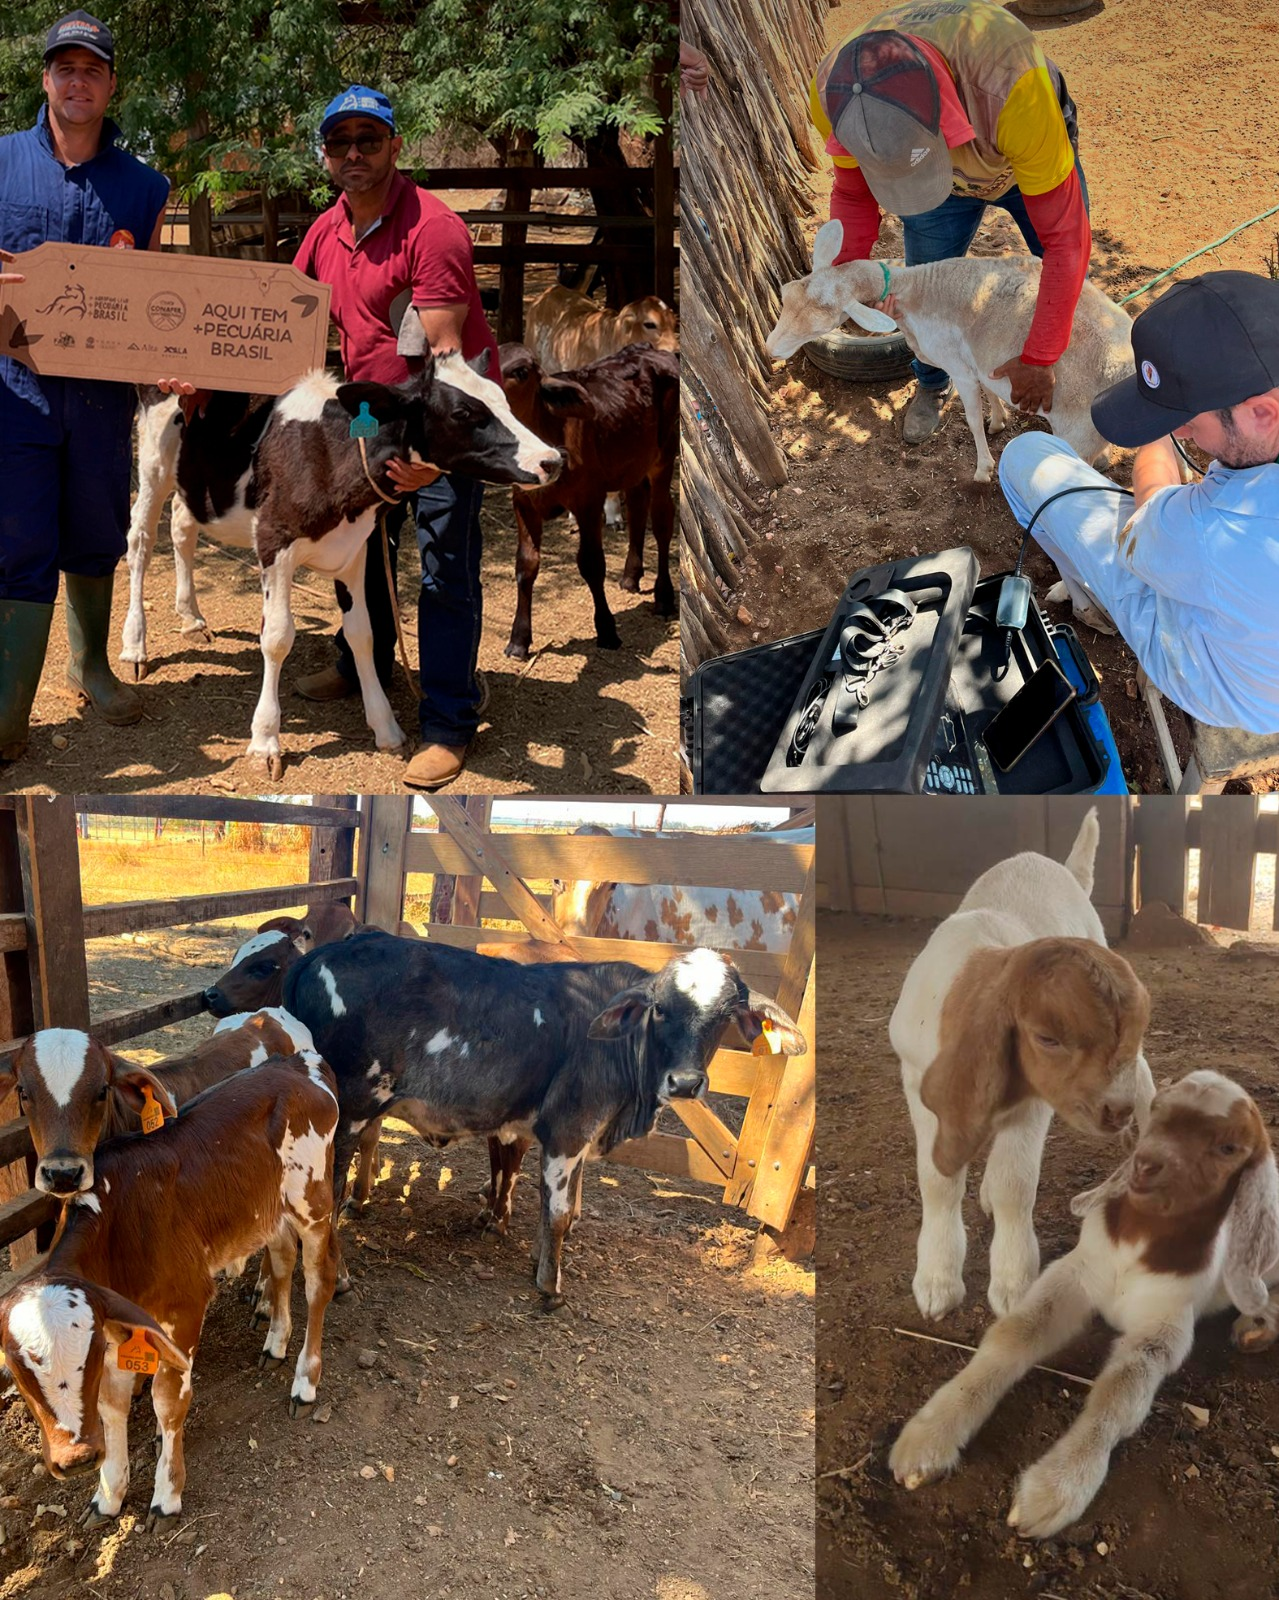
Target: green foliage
[(228, 96)]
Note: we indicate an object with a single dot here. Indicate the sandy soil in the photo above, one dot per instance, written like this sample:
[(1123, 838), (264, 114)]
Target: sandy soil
[(653, 1440), (1184, 1513), (1173, 121)]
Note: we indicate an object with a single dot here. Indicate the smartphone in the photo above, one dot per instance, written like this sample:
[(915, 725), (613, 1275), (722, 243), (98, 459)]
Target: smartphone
[(1031, 711)]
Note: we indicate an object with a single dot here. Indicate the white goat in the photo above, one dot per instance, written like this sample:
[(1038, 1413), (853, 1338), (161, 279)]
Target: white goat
[(1188, 1226), (1014, 1009), (159, 431), (968, 316)]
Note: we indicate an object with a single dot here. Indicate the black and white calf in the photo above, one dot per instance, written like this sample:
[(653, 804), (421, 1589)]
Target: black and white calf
[(285, 478), (579, 1056)]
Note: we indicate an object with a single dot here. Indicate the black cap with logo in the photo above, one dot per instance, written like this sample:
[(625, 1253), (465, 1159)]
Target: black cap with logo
[(1207, 344), (79, 28)]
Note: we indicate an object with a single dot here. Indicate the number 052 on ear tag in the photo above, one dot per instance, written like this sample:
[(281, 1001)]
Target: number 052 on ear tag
[(769, 1041), (152, 1111), (137, 1354)]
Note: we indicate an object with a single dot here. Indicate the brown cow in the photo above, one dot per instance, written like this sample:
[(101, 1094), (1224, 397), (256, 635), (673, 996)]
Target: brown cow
[(75, 1093), (246, 1166), (617, 421), (322, 924), (566, 329)]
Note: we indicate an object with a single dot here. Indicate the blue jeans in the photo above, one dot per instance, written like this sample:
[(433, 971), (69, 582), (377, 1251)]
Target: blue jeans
[(946, 232), (450, 607)]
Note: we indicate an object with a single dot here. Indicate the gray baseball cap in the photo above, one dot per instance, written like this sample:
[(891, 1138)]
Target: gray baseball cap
[(884, 106)]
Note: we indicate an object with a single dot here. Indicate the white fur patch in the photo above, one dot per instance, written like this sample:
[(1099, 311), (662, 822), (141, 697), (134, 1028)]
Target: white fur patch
[(530, 451), (559, 1182), (330, 983), (298, 1032), (439, 1042), (702, 976), (314, 1070), (302, 1157), (90, 1200), (250, 947), (60, 1056), (305, 402), (260, 1053), (538, 1018), (53, 1326), (1208, 1091)]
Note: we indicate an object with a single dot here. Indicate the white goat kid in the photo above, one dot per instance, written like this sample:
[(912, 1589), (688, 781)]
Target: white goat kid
[(1014, 1009), (1187, 1226), (967, 316)]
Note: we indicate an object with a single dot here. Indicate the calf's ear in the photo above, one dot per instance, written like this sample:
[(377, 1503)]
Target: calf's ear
[(757, 1015), (132, 1081), (623, 1014), (383, 403), (565, 397), (481, 362), (1115, 1184), (121, 1319)]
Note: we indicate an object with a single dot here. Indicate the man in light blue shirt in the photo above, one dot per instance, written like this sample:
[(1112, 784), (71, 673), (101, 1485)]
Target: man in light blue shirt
[(1188, 573)]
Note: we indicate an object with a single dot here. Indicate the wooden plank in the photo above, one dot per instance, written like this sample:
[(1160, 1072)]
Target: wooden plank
[(332, 850), (1227, 860), (137, 1020), (13, 930), (664, 199), (547, 178), (734, 1072), (788, 1142), (834, 868), (51, 883), (382, 859), (916, 847), (15, 1141), (484, 856), (17, 1017), (131, 916), (665, 1153), (212, 808), (718, 1142), (510, 277), (695, 860), (25, 1213), (803, 947), (762, 969), (1163, 852)]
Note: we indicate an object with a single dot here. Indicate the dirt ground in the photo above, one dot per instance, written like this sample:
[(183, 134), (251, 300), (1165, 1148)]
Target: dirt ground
[(1183, 1513), (653, 1440), (1173, 128)]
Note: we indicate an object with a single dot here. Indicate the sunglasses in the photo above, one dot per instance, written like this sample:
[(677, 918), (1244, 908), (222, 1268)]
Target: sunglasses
[(368, 144)]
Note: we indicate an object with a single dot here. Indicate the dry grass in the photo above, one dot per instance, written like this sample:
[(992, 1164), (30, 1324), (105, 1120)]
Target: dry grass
[(113, 870)]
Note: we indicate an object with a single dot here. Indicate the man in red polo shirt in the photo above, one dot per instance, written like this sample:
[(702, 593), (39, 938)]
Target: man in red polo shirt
[(387, 249)]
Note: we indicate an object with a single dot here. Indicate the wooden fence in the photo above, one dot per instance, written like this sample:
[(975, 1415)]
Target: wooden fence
[(44, 926)]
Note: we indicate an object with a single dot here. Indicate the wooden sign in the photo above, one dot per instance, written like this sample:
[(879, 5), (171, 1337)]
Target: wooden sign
[(136, 316)]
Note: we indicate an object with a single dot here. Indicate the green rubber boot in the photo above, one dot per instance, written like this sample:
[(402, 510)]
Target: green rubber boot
[(89, 674), (24, 634)]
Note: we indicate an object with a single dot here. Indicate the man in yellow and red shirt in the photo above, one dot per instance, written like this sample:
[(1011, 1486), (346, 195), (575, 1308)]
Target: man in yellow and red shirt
[(935, 110)]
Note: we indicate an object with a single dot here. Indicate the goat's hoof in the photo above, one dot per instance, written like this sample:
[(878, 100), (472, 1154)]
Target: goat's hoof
[(937, 1293), (551, 1302), (300, 1410), (93, 1518), (269, 1363), (158, 1521), (136, 670), (259, 1320), (200, 626), (1251, 1334), (275, 768)]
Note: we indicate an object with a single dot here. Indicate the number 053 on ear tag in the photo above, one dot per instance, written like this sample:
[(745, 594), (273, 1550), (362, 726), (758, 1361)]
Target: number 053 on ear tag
[(769, 1042), (137, 1354), (152, 1111)]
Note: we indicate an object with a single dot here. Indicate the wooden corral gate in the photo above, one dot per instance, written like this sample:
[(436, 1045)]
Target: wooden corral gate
[(904, 855), (44, 926)]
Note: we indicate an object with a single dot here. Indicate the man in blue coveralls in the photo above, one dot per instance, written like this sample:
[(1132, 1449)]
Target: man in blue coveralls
[(65, 445)]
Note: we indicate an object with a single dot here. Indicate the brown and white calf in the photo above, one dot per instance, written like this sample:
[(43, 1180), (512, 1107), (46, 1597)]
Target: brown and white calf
[(75, 1093), (286, 478), (246, 1166), (617, 421), (322, 924), (566, 329), (1186, 1227)]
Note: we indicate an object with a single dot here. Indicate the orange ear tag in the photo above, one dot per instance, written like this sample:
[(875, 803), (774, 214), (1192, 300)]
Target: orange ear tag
[(769, 1042), (138, 1354), (152, 1110)]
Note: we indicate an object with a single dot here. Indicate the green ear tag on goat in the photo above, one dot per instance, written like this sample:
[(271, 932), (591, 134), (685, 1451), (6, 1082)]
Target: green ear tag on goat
[(364, 426)]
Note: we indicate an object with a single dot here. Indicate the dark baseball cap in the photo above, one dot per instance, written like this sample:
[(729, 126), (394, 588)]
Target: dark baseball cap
[(357, 101), (79, 28), (884, 105), (1207, 344)]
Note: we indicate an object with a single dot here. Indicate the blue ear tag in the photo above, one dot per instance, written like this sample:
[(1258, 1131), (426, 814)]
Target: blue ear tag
[(364, 426)]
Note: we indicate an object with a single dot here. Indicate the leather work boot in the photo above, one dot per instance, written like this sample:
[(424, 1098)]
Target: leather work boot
[(24, 635), (327, 684), (924, 413), (435, 765), (89, 674)]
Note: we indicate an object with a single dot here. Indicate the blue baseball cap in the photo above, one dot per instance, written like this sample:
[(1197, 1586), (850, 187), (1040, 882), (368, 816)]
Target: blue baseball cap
[(357, 101)]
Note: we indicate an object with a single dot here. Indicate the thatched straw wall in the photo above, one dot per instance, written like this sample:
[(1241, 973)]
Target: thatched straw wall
[(747, 155)]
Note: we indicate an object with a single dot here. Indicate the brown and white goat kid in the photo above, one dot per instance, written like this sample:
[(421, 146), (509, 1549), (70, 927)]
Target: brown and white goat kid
[(247, 1165), (75, 1093), (968, 316), (1187, 1226)]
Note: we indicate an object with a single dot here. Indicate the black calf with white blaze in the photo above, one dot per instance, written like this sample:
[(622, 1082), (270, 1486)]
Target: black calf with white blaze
[(577, 1055), (288, 478)]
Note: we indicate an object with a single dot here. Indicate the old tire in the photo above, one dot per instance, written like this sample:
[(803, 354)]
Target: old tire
[(860, 357)]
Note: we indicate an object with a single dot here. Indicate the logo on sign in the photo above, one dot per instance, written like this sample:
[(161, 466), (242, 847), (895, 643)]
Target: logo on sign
[(166, 311)]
